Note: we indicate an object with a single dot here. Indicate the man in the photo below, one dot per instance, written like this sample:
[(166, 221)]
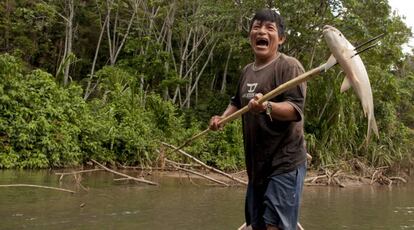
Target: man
[(272, 131)]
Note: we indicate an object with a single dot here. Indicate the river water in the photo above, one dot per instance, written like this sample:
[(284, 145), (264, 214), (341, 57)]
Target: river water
[(179, 203)]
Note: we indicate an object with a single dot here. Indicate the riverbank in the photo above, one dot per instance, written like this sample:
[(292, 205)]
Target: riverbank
[(207, 175)]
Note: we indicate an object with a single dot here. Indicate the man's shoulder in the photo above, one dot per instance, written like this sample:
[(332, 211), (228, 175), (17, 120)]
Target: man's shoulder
[(289, 60), (250, 65)]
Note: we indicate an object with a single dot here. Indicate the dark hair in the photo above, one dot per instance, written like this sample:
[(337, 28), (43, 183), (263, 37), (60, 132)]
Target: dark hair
[(270, 15)]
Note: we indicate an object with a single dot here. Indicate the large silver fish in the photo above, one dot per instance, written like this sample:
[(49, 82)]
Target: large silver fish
[(356, 74)]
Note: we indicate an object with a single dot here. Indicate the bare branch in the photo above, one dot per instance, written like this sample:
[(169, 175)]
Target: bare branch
[(206, 166), (37, 186), (77, 172), (127, 33), (124, 175), (88, 91), (199, 74), (176, 165)]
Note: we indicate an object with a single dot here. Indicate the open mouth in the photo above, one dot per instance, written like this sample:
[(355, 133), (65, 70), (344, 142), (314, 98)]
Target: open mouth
[(263, 42)]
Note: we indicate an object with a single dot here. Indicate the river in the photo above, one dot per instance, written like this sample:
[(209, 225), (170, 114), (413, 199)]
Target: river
[(178, 203)]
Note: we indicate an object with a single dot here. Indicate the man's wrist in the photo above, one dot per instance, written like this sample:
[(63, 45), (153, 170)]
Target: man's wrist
[(269, 110)]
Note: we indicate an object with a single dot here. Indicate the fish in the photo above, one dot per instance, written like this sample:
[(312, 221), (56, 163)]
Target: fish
[(356, 74)]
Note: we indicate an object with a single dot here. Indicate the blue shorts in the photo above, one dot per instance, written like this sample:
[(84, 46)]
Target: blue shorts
[(277, 202)]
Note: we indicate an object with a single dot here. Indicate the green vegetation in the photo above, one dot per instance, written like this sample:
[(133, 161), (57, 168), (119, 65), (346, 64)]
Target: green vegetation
[(111, 80)]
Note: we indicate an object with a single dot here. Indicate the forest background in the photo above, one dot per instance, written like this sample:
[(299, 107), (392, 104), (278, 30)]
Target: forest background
[(111, 80)]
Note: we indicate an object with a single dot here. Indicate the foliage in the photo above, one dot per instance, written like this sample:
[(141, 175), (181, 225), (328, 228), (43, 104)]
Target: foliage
[(40, 120), (44, 125), (179, 65)]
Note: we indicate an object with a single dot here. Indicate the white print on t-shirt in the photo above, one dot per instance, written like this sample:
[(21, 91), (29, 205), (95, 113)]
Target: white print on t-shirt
[(251, 87)]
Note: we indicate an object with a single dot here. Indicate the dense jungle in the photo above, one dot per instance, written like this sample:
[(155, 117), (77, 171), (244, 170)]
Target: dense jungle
[(111, 80)]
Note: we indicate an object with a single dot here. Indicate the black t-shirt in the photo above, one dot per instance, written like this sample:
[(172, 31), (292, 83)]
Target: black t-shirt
[(271, 147)]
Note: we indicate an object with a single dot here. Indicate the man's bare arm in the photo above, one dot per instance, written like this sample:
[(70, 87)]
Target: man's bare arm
[(215, 120)]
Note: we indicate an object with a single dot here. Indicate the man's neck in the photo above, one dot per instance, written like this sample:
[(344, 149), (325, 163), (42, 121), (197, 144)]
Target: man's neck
[(259, 63)]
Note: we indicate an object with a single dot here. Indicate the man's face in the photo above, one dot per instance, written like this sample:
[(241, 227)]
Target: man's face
[(264, 39)]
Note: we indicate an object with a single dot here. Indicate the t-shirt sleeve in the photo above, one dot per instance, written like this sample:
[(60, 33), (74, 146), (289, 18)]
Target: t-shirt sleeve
[(235, 100), (296, 95)]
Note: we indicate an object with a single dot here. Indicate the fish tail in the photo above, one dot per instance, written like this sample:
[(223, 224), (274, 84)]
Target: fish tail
[(373, 126), (366, 141)]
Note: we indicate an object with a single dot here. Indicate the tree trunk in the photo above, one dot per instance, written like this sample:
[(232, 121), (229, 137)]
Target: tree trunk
[(88, 91), (69, 38), (115, 45), (7, 29), (199, 74), (67, 50), (223, 84)]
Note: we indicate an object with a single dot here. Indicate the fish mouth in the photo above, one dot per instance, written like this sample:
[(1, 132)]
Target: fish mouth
[(262, 42), (327, 27)]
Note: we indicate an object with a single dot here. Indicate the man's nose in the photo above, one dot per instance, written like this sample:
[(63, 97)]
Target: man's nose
[(261, 29)]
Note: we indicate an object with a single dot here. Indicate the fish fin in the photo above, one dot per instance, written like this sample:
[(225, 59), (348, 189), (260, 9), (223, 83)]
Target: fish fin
[(331, 62), (346, 84)]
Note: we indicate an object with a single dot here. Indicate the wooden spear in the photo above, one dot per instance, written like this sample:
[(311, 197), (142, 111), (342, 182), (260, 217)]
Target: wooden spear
[(282, 88)]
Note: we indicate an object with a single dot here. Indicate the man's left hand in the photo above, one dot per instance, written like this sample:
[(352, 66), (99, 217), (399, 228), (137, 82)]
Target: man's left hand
[(256, 107)]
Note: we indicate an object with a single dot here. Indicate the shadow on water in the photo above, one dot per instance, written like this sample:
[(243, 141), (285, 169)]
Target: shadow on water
[(179, 204)]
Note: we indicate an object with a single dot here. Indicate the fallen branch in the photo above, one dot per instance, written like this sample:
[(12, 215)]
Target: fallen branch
[(314, 184), (124, 175), (121, 179), (329, 175), (78, 172), (398, 178), (314, 179), (373, 179), (338, 182), (143, 168), (176, 165), (206, 166), (240, 173), (37, 186)]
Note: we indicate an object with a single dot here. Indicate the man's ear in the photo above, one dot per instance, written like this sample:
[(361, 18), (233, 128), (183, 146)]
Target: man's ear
[(282, 40)]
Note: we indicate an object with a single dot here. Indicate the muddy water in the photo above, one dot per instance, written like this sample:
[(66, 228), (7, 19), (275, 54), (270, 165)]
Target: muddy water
[(180, 204)]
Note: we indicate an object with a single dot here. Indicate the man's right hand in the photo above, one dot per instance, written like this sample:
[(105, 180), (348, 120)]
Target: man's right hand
[(214, 123)]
